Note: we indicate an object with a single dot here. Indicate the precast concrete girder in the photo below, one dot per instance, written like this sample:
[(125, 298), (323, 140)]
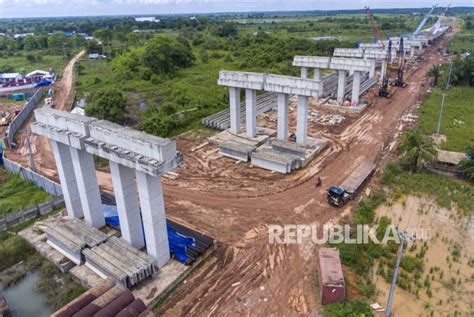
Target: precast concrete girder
[(348, 52), (292, 85)]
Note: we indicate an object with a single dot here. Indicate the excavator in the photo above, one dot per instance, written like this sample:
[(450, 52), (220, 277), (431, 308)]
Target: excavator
[(400, 67), (385, 87)]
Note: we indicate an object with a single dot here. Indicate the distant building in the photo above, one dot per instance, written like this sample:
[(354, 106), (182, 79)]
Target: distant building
[(7, 78), (96, 56), (39, 75), (147, 19), (19, 35)]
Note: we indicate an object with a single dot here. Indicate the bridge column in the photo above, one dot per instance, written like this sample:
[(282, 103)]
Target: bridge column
[(356, 88), (283, 116), (125, 189), (88, 187), (341, 86), (234, 100), (304, 72), (251, 112), (152, 204), (302, 121), (68, 180)]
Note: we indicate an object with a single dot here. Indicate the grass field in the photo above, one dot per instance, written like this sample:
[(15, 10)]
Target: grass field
[(20, 64), (16, 193), (458, 117)]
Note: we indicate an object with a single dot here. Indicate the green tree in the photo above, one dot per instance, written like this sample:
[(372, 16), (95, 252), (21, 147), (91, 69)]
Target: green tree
[(105, 35), (467, 165), (126, 66), (415, 149), (435, 72), (108, 104), (204, 56), (29, 43), (93, 46), (163, 55), (58, 43), (79, 68), (353, 308)]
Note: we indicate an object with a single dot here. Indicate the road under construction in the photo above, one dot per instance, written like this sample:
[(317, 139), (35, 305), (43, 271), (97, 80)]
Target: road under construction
[(234, 203)]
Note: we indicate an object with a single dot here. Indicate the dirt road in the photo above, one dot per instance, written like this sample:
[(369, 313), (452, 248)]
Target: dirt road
[(40, 146), (248, 275)]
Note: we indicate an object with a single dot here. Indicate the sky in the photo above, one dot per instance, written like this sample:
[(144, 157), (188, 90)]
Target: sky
[(51, 8)]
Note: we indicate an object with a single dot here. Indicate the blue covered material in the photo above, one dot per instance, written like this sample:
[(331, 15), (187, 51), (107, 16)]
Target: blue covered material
[(178, 243), (44, 83)]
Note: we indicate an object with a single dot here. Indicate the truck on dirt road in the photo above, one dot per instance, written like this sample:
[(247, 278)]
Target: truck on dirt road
[(338, 196)]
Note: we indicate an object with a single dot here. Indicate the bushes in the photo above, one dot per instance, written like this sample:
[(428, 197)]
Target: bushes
[(164, 55), (13, 250), (108, 104), (366, 210), (354, 308)]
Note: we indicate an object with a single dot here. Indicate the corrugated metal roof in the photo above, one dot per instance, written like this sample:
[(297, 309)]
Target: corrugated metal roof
[(450, 157), (330, 266)]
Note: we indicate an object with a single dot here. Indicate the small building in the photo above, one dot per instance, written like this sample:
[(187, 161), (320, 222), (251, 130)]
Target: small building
[(331, 278), (39, 75), (8, 78)]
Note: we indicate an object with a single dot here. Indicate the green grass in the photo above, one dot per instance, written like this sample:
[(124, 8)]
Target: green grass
[(22, 65), (16, 193), (458, 117), (447, 192)]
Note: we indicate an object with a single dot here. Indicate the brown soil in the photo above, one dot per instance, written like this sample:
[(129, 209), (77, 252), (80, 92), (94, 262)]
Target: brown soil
[(235, 203)]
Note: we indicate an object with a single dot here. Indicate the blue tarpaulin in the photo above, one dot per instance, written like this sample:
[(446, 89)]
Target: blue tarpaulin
[(178, 243), (44, 83)]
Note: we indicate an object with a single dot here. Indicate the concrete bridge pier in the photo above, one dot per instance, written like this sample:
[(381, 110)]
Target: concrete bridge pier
[(234, 101), (304, 72), (251, 112), (88, 187), (68, 180), (302, 121), (341, 85), (150, 192), (356, 88), (125, 189), (283, 101), (317, 74)]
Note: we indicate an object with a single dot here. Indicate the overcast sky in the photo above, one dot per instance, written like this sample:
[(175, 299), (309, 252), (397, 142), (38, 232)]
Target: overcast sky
[(47, 8)]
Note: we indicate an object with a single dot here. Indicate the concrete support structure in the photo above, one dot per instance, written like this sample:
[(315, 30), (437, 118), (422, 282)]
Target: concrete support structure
[(341, 85), (153, 215), (358, 67), (88, 187), (302, 121), (125, 189), (348, 52), (317, 74), (131, 154), (234, 102), (251, 112), (383, 70), (304, 72), (372, 68), (356, 88), (283, 101), (412, 51), (68, 180)]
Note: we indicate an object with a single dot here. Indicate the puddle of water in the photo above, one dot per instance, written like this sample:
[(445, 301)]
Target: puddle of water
[(23, 299)]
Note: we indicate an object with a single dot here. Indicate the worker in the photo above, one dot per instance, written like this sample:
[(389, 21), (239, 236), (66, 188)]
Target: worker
[(318, 181)]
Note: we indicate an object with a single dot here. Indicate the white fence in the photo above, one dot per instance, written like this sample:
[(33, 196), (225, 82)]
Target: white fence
[(16, 123)]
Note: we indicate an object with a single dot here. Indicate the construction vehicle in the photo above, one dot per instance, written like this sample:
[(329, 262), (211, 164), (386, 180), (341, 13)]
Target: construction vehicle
[(338, 196), (400, 82), (423, 22), (292, 137), (385, 87)]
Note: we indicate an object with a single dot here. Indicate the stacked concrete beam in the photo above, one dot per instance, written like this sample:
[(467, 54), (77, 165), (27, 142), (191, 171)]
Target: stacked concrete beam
[(236, 81), (132, 154), (357, 67)]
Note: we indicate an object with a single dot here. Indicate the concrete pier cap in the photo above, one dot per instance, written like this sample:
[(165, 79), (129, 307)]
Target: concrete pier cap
[(292, 85), (349, 52), (245, 80), (311, 61), (350, 64)]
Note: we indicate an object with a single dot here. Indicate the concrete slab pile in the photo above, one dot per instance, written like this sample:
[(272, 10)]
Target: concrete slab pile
[(236, 150), (119, 260), (71, 237), (270, 159), (132, 155)]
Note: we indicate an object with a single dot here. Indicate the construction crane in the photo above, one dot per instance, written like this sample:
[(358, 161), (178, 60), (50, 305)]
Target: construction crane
[(423, 22), (375, 29), (385, 88)]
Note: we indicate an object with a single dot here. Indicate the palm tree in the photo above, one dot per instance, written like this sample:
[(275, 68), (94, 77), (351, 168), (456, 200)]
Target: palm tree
[(415, 149), (467, 165), (435, 72)]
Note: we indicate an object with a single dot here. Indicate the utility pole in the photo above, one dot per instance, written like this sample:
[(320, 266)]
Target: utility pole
[(448, 82), (441, 113), (403, 236)]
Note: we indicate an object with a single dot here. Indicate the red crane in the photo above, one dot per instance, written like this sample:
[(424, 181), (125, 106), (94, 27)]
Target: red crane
[(375, 29)]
